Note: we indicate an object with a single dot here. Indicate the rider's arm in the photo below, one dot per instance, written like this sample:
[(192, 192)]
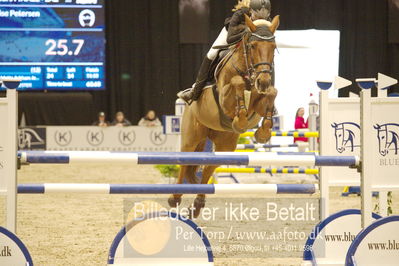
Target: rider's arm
[(237, 25)]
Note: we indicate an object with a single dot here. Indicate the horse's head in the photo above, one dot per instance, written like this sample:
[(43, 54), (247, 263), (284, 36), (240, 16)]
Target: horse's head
[(259, 51), (382, 139), (339, 137)]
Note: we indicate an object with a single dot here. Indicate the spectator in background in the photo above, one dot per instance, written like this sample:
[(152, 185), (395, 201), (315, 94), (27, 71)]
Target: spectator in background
[(101, 122), (300, 123), (150, 120), (120, 120)]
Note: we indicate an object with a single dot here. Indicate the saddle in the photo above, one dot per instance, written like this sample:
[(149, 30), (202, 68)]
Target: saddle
[(223, 56)]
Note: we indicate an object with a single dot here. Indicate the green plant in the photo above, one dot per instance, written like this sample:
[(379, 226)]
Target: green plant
[(168, 170), (242, 140), (389, 203)]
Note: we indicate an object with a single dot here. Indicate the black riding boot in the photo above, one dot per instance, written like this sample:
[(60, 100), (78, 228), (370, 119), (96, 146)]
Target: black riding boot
[(194, 93)]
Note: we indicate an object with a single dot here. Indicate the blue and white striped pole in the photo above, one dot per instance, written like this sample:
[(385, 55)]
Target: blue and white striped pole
[(188, 158), (260, 170), (268, 189), (268, 146)]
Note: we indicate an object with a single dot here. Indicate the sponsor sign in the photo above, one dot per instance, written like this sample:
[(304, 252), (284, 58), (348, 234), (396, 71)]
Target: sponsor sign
[(32, 138), (91, 138)]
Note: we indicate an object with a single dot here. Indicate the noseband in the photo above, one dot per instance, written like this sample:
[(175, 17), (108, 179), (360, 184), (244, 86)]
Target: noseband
[(251, 69)]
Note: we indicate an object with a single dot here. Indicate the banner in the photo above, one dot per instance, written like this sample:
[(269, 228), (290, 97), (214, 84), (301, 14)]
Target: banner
[(91, 138), (32, 138)]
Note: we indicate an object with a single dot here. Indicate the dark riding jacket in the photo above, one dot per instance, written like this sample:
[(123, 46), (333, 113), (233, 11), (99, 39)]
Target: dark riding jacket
[(235, 25)]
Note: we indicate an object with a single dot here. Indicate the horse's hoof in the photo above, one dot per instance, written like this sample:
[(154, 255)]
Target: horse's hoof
[(174, 202), (199, 202), (195, 209), (237, 129), (262, 137), (194, 212), (268, 123)]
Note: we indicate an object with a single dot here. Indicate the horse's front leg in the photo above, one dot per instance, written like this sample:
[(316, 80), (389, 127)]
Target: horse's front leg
[(240, 121), (265, 108)]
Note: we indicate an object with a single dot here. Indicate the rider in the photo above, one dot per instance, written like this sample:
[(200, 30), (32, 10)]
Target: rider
[(232, 32)]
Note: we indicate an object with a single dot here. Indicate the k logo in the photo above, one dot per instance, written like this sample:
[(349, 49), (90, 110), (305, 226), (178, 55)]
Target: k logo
[(63, 138), (127, 137), (95, 137), (157, 137)]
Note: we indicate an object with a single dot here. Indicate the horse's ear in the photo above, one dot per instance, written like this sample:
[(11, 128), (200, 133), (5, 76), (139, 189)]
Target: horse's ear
[(334, 125), (275, 24), (249, 23), (377, 126)]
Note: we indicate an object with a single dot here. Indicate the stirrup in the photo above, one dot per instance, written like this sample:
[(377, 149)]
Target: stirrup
[(180, 94)]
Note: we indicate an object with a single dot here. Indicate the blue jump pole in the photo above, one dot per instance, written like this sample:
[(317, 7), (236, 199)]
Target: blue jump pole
[(167, 189), (189, 158)]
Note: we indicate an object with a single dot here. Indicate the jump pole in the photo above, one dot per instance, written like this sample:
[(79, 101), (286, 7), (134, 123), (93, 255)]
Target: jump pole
[(295, 134), (260, 170), (188, 158), (265, 189), (269, 146)]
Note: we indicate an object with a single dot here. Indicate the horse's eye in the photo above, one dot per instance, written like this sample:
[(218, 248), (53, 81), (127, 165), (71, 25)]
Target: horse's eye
[(340, 135), (383, 137)]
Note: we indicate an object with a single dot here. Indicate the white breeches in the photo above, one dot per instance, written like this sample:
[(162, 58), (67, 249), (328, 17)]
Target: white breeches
[(220, 40)]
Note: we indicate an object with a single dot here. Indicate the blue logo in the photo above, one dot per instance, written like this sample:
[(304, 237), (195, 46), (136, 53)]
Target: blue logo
[(175, 125), (347, 136), (388, 138)]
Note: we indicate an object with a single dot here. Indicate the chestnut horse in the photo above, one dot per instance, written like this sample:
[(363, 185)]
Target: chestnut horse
[(244, 93)]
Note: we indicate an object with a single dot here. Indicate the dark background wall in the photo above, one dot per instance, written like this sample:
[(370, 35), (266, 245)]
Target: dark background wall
[(147, 65)]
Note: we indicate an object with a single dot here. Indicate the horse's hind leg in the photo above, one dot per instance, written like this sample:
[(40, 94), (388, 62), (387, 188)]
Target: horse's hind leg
[(224, 141), (193, 139), (187, 172)]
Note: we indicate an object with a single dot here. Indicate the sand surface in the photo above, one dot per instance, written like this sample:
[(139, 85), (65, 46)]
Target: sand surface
[(78, 229)]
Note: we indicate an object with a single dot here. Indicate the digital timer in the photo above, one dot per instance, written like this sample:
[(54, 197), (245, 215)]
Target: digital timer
[(60, 47), (51, 45)]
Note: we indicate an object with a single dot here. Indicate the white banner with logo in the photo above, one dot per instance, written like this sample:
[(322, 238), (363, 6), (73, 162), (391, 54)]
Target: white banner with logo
[(91, 138)]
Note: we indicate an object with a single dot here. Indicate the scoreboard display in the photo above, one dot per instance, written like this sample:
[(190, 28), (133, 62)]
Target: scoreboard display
[(53, 44)]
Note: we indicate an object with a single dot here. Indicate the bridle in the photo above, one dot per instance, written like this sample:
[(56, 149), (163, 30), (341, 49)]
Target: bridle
[(252, 72)]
